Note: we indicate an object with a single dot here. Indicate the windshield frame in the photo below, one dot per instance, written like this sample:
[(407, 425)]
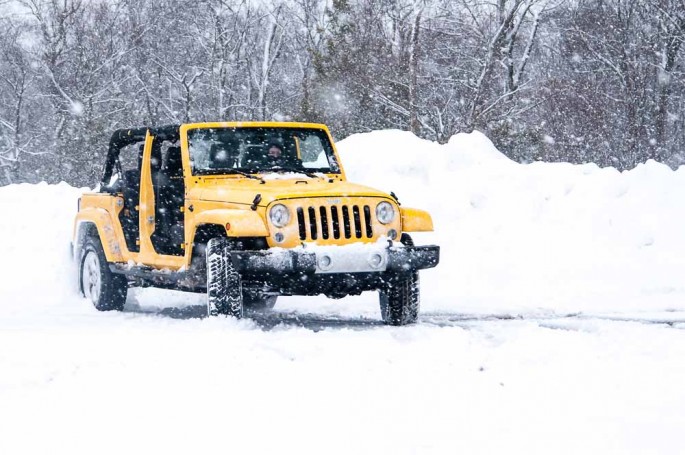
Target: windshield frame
[(320, 129)]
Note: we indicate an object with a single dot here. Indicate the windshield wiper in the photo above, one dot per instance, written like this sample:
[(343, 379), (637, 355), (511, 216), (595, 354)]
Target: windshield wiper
[(296, 171), (244, 174)]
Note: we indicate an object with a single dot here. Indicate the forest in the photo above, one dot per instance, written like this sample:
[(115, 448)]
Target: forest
[(578, 81)]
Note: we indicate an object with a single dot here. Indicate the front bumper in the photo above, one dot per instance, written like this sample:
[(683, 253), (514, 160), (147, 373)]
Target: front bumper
[(299, 271), (332, 260)]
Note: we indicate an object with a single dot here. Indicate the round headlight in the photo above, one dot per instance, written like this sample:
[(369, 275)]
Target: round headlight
[(279, 215), (385, 213)]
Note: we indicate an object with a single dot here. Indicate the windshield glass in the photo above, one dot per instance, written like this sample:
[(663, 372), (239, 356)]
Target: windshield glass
[(260, 150)]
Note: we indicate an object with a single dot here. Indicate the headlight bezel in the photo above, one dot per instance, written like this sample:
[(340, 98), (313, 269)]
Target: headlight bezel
[(385, 212), (283, 210)]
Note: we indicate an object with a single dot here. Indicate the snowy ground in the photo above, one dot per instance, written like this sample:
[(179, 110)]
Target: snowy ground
[(554, 324)]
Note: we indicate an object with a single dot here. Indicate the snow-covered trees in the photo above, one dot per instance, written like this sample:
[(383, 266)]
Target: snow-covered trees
[(16, 77), (615, 81), (588, 80)]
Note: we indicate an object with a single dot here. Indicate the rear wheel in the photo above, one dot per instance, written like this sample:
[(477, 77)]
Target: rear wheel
[(224, 285), (106, 290)]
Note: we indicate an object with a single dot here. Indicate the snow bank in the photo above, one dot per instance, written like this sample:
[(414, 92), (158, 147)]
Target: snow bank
[(551, 237), (36, 227)]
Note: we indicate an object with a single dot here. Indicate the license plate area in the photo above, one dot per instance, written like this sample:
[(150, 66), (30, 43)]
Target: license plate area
[(351, 259)]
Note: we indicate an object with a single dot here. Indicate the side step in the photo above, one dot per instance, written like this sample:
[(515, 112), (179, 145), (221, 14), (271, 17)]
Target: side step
[(145, 276), (147, 273)]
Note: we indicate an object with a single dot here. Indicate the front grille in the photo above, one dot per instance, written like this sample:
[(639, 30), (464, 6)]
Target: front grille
[(334, 221)]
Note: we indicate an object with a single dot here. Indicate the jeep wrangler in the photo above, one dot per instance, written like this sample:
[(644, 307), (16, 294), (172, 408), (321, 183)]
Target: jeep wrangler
[(244, 212)]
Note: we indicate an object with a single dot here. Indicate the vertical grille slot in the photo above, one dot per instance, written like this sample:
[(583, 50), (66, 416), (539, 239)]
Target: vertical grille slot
[(367, 221), (346, 221), (335, 221), (324, 223), (301, 224), (357, 222), (312, 222)]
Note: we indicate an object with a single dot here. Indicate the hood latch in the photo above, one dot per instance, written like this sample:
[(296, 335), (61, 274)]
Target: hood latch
[(255, 202)]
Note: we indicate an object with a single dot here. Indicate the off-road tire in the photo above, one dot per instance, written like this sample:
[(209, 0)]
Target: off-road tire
[(399, 299), (106, 290), (259, 302), (224, 285)]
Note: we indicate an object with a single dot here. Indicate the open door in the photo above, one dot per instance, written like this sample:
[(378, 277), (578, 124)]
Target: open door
[(151, 191)]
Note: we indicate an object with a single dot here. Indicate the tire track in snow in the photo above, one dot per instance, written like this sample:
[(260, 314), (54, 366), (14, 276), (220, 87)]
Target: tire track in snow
[(317, 322)]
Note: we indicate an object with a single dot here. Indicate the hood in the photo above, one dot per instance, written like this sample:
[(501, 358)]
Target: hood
[(243, 190)]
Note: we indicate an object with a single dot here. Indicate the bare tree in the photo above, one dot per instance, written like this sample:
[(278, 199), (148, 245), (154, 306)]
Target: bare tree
[(670, 16), (15, 80), (590, 80), (501, 27)]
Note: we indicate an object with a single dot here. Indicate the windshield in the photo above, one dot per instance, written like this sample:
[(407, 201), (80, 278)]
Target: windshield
[(259, 150)]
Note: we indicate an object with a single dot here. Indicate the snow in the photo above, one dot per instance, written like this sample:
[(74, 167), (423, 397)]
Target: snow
[(284, 176), (522, 238), (552, 325)]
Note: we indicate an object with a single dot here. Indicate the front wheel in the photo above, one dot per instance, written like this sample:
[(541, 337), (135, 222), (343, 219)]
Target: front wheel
[(106, 290), (224, 285), (399, 299)]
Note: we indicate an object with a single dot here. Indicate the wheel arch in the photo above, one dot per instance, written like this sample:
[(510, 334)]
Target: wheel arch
[(208, 224), (205, 232), (97, 221)]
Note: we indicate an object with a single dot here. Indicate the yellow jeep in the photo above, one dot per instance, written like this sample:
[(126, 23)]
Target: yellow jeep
[(244, 211)]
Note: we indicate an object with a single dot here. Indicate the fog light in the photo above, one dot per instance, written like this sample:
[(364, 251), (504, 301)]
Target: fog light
[(325, 261), (392, 234), (279, 237), (375, 260)]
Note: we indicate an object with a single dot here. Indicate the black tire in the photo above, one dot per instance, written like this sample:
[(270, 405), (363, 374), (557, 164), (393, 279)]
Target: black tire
[(106, 290), (399, 299), (224, 285), (259, 302)]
